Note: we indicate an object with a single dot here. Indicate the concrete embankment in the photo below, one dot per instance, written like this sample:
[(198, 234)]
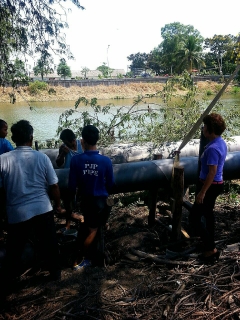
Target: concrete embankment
[(71, 90)]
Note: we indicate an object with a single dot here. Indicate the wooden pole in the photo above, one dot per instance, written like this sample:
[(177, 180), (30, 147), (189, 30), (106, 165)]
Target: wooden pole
[(178, 189)]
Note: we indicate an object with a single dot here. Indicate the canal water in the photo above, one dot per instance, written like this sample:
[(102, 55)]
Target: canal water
[(44, 115)]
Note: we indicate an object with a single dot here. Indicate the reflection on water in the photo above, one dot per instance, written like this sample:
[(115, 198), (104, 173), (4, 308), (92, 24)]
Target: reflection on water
[(44, 116)]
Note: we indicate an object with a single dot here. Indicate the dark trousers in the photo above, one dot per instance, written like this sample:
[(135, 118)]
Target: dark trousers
[(40, 229), (96, 213), (206, 230)]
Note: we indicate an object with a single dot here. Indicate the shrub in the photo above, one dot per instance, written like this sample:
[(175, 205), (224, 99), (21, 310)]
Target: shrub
[(209, 93), (235, 90), (52, 91), (37, 86), (218, 87), (118, 98)]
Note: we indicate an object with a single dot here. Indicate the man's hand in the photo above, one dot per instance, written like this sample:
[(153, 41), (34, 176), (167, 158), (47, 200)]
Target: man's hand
[(64, 149), (200, 196), (207, 183)]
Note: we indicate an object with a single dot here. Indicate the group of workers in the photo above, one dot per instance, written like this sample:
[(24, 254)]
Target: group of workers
[(28, 183)]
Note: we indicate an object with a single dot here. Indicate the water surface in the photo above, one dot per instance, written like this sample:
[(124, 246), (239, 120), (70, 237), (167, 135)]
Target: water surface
[(44, 115)]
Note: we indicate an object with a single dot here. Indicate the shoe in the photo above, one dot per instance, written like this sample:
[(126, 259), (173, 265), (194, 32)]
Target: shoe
[(210, 259), (85, 263)]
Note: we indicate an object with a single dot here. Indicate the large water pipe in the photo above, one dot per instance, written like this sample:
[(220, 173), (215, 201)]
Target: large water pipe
[(125, 153), (146, 175)]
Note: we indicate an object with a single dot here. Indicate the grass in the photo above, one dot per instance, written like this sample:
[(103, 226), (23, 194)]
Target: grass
[(235, 90)]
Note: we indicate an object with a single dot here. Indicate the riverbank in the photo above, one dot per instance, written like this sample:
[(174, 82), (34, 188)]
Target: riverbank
[(131, 90)]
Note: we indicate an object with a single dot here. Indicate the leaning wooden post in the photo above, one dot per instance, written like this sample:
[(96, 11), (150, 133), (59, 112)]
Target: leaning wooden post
[(178, 189)]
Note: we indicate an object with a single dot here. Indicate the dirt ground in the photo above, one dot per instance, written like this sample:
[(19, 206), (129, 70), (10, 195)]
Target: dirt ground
[(143, 278)]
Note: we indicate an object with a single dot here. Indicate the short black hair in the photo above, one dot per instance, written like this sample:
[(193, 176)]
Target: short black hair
[(22, 132), (90, 134), (214, 123), (2, 123), (67, 134)]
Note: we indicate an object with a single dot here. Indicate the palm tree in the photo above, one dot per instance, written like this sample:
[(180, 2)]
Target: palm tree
[(190, 54)]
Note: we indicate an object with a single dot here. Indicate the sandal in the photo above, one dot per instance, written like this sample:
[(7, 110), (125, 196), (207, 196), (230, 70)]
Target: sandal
[(85, 263)]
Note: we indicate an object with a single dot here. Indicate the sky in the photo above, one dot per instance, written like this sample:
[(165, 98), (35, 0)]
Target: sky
[(110, 30)]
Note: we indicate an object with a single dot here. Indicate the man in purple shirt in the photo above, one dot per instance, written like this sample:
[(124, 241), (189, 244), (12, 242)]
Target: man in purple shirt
[(210, 185), (91, 175)]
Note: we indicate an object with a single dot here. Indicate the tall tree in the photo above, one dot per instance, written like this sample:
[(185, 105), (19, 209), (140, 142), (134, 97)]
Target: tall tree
[(169, 48), (32, 26), (210, 62), (44, 65), (138, 61), (177, 29), (105, 70), (155, 61), (190, 54), (84, 72), (17, 73), (12, 38), (63, 69), (219, 45), (174, 36)]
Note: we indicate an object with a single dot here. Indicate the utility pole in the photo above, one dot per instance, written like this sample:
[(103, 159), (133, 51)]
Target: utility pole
[(107, 59)]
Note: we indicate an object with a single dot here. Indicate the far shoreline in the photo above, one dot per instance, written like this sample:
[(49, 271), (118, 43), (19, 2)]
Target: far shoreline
[(101, 92)]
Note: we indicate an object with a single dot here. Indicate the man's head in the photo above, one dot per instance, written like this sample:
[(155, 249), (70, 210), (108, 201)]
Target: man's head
[(90, 135), (3, 128), (22, 133), (68, 137), (214, 123)]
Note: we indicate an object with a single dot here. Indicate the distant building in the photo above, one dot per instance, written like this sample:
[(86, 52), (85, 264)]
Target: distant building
[(77, 74)]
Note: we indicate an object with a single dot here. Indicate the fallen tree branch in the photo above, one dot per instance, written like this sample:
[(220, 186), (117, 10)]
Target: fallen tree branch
[(158, 260)]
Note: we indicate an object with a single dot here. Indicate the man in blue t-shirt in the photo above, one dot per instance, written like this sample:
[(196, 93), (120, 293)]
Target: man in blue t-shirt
[(92, 175), (5, 145)]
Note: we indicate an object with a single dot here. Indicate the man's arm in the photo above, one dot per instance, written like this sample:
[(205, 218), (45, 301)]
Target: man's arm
[(3, 202), (207, 183), (63, 150)]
